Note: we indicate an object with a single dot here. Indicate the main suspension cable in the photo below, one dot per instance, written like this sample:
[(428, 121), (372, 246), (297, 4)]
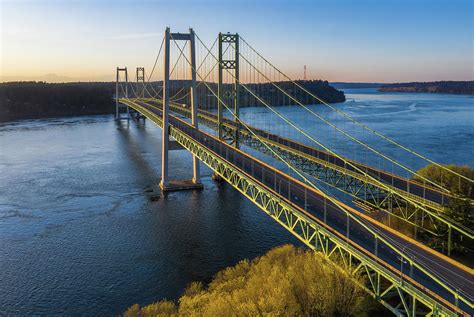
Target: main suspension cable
[(358, 122)]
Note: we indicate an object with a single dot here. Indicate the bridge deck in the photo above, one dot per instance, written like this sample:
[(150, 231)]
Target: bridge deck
[(314, 203)]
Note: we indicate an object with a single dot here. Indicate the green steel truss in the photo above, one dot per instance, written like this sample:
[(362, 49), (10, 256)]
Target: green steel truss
[(399, 293), (424, 215)]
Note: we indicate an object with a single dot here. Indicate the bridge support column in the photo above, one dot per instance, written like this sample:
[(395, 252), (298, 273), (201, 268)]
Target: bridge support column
[(141, 80), (236, 89), (165, 131), (119, 88), (228, 65), (140, 87), (166, 184), (194, 102), (219, 89)]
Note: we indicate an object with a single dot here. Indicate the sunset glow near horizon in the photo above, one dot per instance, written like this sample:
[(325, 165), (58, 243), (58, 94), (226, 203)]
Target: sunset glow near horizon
[(353, 41)]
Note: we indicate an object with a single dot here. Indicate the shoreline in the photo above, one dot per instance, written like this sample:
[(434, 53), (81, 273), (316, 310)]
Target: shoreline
[(423, 91)]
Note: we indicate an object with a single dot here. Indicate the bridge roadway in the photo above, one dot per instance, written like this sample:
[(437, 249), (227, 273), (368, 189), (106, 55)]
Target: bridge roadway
[(454, 275), (420, 191)]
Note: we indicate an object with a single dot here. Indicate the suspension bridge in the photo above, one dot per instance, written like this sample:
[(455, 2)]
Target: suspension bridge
[(317, 171)]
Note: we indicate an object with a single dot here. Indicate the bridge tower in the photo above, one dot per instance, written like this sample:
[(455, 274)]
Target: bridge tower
[(140, 90), (141, 82), (119, 88), (166, 184), (228, 64)]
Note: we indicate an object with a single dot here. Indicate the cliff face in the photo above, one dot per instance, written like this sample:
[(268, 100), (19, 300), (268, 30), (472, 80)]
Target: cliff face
[(23, 100), (448, 87)]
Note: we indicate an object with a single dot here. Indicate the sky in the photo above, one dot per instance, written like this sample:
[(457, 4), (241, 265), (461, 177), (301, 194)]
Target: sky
[(338, 40)]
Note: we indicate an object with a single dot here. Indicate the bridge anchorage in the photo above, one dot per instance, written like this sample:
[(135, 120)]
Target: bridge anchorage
[(324, 198)]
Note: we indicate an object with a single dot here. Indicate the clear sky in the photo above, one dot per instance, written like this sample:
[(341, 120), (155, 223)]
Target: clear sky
[(338, 40)]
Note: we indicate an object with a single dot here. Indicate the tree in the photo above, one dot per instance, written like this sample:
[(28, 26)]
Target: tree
[(449, 180), (287, 281), (459, 207)]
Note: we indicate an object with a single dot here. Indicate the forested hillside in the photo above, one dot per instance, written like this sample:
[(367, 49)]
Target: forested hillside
[(23, 100), (447, 87)]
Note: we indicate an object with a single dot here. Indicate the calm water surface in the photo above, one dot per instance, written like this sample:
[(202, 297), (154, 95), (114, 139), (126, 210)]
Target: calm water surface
[(80, 235)]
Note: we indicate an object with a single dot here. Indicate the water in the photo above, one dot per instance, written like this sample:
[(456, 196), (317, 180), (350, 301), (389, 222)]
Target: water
[(79, 234), (440, 126)]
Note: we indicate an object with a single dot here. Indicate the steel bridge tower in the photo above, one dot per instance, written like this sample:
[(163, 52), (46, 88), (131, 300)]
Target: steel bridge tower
[(140, 91), (141, 80), (228, 64)]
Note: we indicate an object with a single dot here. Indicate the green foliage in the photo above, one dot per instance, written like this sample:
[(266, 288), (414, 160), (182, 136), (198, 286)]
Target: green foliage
[(448, 180), (287, 281), (160, 309), (459, 208), (450, 87)]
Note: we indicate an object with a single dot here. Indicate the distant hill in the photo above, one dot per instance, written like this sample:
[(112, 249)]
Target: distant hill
[(54, 78), (343, 85), (25, 100), (447, 87)]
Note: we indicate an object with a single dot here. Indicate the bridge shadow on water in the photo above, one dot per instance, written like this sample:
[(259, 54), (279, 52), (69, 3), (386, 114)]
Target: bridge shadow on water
[(147, 175)]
